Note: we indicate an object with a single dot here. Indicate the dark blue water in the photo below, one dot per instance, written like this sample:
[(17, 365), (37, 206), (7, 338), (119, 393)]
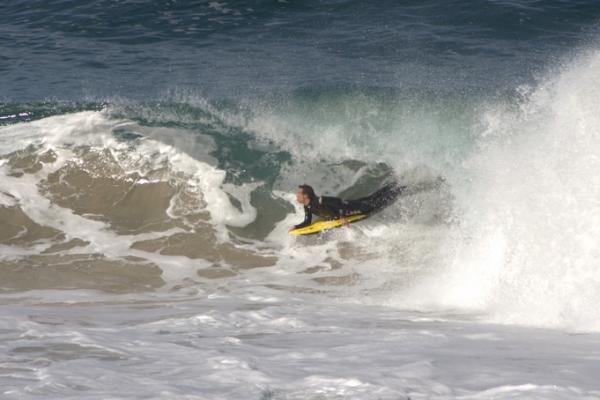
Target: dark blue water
[(94, 50)]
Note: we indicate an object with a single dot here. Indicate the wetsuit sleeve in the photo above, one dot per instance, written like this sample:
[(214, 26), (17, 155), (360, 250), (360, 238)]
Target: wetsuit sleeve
[(307, 219)]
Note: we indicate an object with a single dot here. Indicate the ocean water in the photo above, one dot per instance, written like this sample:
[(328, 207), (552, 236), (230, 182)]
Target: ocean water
[(149, 155)]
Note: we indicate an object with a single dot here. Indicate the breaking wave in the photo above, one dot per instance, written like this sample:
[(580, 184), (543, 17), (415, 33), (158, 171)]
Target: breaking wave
[(127, 196)]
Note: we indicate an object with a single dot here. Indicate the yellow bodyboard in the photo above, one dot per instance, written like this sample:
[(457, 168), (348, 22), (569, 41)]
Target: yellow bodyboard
[(321, 226)]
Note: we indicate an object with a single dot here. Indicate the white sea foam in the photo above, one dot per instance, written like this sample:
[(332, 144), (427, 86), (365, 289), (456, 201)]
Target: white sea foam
[(528, 197), (234, 347)]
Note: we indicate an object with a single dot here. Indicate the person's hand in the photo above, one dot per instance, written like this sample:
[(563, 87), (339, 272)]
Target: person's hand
[(344, 221)]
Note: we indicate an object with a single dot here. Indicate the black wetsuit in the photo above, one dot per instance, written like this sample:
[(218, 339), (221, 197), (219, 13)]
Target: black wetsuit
[(333, 207)]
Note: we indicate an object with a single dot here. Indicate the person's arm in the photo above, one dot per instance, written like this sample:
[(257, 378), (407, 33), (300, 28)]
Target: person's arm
[(342, 212), (342, 217), (307, 219), (336, 208)]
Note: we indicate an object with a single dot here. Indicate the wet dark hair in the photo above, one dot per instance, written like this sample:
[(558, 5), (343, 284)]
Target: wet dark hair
[(309, 191)]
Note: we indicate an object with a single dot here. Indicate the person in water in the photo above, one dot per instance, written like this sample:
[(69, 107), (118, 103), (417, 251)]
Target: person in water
[(330, 208)]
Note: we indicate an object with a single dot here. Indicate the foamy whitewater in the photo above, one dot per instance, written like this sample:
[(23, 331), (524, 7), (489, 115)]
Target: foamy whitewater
[(147, 187)]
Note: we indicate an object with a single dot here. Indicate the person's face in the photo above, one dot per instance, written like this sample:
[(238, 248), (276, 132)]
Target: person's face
[(302, 197)]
